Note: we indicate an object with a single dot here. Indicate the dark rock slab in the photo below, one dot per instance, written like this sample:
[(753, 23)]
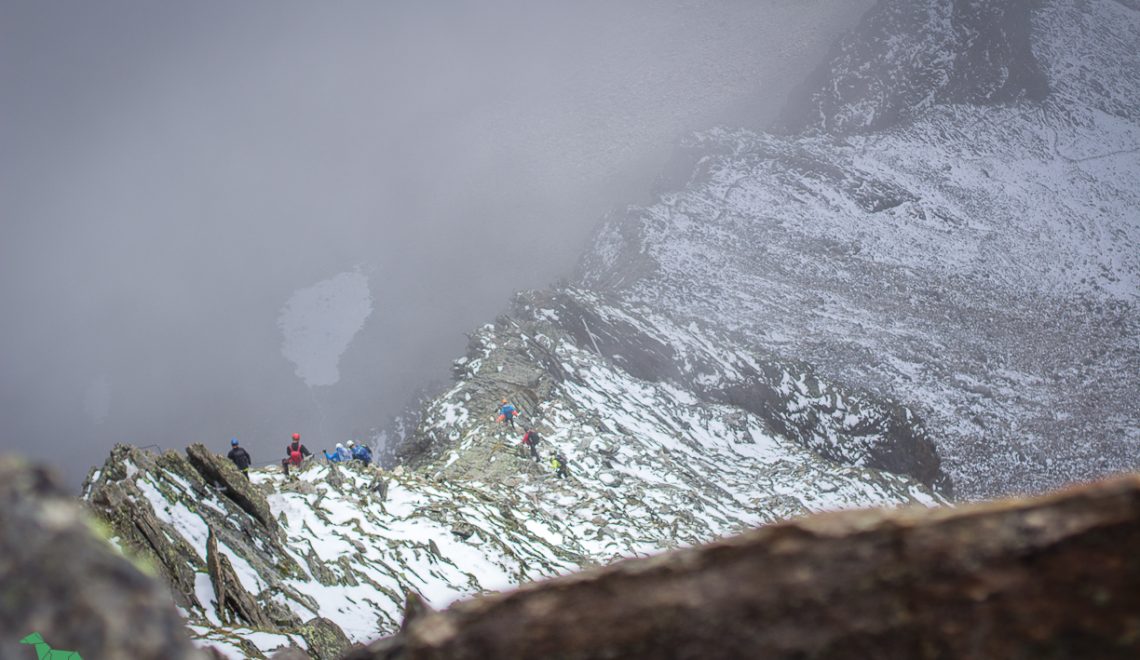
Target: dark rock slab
[(234, 604), (117, 500), (221, 472)]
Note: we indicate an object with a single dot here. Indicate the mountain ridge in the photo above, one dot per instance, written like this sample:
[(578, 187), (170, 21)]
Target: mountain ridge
[(883, 313)]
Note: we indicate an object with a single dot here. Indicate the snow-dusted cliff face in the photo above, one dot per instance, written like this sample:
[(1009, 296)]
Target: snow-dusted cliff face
[(909, 56), (978, 262)]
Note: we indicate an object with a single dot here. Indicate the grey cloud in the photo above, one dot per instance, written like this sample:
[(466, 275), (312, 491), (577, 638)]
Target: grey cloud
[(170, 173)]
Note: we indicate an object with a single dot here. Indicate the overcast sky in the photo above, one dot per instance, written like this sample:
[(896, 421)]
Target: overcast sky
[(172, 173)]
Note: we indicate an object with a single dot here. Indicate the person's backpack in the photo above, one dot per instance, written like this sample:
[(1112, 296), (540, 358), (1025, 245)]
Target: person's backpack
[(295, 454)]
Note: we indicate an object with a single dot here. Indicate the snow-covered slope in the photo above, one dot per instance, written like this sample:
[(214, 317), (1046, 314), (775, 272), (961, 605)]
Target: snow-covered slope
[(977, 261), (680, 438)]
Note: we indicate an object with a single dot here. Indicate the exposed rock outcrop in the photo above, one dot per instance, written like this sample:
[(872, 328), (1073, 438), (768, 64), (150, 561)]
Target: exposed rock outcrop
[(1054, 577), (213, 537), (115, 497), (221, 473), (231, 601), (59, 577)]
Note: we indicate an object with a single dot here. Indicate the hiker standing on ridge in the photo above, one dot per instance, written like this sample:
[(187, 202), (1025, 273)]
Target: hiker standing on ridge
[(507, 413), (531, 439), (240, 457), (295, 453)]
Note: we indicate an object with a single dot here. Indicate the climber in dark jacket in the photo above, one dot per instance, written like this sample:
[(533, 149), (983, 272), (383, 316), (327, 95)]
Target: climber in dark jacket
[(240, 457), (295, 453)]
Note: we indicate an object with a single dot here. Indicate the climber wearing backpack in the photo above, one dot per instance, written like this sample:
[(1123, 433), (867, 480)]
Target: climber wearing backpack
[(360, 452), (531, 439), (558, 463), (295, 453), (507, 413), (339, 455), (240, 457)]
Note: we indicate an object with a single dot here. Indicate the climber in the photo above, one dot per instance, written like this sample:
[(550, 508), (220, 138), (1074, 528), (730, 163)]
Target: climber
[(507, 413), (360, 452), (531, 439), (295, 453), (339, 455), (558, 463), (240, 457)]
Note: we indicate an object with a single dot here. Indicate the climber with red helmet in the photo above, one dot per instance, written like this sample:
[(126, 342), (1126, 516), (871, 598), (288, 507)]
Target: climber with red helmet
[(295, 453)]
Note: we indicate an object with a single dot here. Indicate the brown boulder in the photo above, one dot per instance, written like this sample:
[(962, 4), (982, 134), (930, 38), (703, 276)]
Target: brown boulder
[(1056, 577)]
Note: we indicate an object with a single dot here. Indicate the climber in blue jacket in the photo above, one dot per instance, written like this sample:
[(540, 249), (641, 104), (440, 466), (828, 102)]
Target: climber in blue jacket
[(360, 452), (339, 455)]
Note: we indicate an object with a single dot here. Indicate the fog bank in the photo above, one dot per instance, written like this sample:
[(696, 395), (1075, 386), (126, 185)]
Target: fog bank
[(170, 176)]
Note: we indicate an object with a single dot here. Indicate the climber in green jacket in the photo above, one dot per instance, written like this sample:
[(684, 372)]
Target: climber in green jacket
[(558, 464)]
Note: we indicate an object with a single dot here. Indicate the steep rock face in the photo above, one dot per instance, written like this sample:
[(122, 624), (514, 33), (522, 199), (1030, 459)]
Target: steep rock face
[(979, 264), (59, 577), (1055, 577), (908, 56), (841, 425), (638, 394)]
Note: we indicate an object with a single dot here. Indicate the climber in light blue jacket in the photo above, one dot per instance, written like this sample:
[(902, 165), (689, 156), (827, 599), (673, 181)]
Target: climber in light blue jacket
[(339, 455)]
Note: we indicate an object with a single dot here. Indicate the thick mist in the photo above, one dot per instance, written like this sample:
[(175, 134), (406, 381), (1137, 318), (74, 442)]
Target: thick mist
[(170, 174)]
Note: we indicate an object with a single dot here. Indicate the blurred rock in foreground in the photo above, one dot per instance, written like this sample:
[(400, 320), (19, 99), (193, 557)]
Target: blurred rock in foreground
[(1052, 577), (60, 579)]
